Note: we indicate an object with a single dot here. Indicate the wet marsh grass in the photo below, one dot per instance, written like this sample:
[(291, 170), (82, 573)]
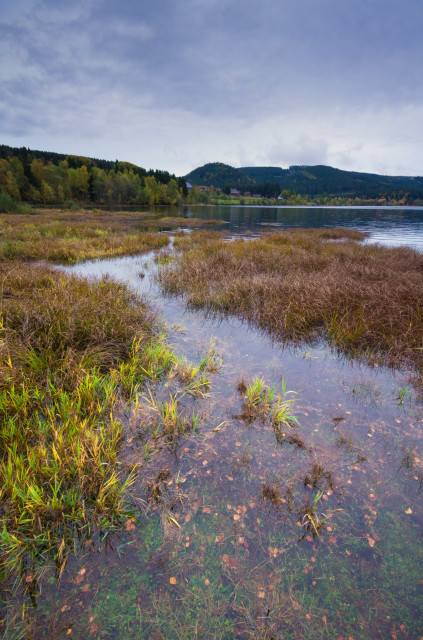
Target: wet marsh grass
[(263, 402), (302, 285), (72, 352), (237, 576), (68, 237)]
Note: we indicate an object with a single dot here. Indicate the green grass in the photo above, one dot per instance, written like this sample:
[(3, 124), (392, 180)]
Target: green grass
[(68, 237), (72, 352)]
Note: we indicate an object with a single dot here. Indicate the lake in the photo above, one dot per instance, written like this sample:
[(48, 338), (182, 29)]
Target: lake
[(391, 225), (317, 534)]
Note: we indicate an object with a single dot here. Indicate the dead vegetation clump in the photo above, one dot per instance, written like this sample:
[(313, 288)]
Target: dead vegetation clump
[(300, 285)]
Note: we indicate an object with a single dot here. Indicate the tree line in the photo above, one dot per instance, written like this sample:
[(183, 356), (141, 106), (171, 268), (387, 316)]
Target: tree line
[(48, 178)]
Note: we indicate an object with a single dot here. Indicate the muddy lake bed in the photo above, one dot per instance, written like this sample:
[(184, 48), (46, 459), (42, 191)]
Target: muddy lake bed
[(241, 533)]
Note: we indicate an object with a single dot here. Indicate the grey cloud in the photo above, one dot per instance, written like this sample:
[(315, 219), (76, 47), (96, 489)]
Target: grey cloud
[(219, 65)]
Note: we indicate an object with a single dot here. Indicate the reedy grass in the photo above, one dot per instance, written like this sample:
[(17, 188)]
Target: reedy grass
[(71, 352), (68, 237), (300, 285), (264, 402)]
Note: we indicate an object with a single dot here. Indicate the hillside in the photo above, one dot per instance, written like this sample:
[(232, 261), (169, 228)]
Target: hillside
[(319, 180)]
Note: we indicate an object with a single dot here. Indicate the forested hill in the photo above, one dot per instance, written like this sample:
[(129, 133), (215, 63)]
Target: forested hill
[(53, 178), (319, 180)]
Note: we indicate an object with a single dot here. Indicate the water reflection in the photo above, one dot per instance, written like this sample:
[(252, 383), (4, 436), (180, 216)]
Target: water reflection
[(393, 226)]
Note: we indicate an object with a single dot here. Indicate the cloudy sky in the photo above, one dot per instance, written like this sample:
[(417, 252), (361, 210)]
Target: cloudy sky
[(173, 84)]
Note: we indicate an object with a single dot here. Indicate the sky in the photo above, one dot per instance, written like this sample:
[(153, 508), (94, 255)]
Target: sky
[(174, 84)]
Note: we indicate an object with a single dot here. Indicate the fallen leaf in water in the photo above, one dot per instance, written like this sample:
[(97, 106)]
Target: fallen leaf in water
[(371, 542), (172, 580), (329, 529), (86, 587), (230, 478), (94, 628), (129, 527), (408, 511)]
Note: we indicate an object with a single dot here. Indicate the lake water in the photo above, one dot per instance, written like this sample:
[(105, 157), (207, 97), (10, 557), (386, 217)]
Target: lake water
[(392, 225), (244, 559)]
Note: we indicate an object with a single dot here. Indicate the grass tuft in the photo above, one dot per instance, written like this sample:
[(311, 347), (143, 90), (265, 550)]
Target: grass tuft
[(309, 284)]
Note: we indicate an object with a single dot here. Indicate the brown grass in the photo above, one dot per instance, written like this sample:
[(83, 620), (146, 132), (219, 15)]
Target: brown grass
[(307, 284)]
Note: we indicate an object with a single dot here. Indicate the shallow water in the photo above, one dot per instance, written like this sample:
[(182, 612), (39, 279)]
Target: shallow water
[(237, 564), (393, 226)]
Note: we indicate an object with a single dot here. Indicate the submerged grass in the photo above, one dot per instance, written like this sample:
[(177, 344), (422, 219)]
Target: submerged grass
[(306, 284)]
